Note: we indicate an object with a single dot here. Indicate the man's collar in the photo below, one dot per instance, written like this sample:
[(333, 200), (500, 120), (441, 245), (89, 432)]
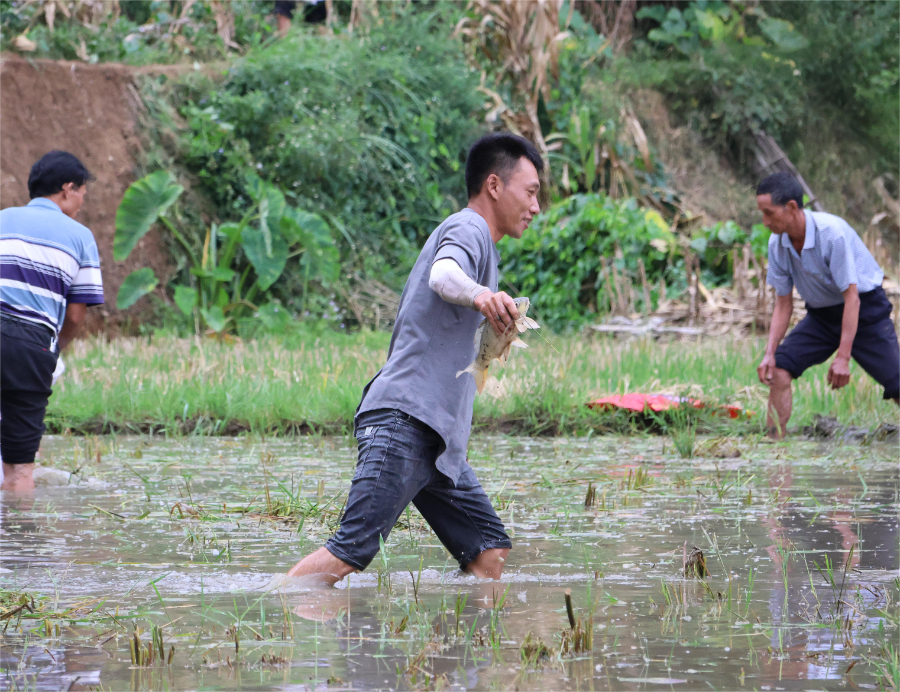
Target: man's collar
[(46, 203), (809, 241)]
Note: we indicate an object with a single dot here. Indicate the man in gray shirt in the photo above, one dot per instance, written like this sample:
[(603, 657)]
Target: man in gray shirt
[(847, 309), (414, 420)]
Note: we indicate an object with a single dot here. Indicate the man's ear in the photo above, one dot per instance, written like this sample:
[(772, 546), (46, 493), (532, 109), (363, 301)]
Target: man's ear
[(792, 205), (494, 186)]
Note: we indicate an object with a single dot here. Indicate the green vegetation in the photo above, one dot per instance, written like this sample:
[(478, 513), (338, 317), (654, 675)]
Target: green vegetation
[(220, 289), (136, 32), (363, 124), (312, 382), (369, 132)]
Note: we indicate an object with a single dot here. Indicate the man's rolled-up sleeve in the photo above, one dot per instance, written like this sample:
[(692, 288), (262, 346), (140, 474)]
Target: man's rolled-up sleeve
[(778, 276), (87, 285), (842, 263), (461, 243)]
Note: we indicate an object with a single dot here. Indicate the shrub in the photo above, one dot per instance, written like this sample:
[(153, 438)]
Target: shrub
[(370, 131), (558, 262)]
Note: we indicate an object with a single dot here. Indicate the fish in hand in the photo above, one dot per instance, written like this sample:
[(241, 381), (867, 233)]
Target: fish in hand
[(490, 346)]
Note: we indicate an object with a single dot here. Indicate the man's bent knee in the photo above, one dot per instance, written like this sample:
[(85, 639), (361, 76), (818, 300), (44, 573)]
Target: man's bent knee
[(781, 379)]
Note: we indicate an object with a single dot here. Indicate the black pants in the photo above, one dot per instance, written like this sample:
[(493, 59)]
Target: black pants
[(26, 374), (875, 347)]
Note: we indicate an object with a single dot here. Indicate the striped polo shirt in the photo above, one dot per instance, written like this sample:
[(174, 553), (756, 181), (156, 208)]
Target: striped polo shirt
[(46, 261)]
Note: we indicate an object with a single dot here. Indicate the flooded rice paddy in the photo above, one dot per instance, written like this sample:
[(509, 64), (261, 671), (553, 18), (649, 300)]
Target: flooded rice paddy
[(153, 569)]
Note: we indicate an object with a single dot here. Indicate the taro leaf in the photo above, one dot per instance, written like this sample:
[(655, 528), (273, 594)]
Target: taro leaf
[(185, 298), (268, 265), (728, 233), (135, 286), (223, 274), (657, 12), (782, 34), (219, 273), (699, 245), (321, 258), (321, 263), (274, 317), (271, 209), (146, 200), (215, 318)]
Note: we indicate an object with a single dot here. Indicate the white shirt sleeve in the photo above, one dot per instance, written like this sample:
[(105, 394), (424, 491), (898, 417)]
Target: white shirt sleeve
[(451, 283)]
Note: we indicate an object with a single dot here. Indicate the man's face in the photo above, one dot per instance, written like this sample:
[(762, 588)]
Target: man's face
[(71, 199), (776, 218), (517, 201)]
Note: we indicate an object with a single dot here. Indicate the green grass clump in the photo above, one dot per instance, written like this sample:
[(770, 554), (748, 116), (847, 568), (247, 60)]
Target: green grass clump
[(312, 383)]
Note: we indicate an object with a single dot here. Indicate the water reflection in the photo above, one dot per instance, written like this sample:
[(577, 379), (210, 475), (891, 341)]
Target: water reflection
[(187, 535)]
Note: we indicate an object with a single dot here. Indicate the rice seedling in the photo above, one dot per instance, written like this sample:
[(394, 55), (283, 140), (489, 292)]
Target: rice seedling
[(311, 383), (534, 651), (579, 638)]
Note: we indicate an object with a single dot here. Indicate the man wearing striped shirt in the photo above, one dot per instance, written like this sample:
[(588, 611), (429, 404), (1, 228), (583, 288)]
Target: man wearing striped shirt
[(49, 274)]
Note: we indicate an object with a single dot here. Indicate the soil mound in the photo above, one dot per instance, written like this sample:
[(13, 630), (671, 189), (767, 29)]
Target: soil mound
[(88, 110)]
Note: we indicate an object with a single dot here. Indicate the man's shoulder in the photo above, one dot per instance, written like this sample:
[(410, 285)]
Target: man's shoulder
[(41, 224), (830, 224), (465, 218)]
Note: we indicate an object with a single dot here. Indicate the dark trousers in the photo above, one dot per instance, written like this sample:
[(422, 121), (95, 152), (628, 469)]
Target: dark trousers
[(27, 363), (875, 347), (396, 466)]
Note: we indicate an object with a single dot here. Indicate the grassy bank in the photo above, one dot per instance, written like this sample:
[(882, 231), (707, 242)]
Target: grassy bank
[(312, 384)]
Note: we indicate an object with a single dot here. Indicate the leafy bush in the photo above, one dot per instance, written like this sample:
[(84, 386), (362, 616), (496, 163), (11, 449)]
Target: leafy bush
[(715, 244), (852, 63), (370, 131), (240, 262), (146, 33), (729, 72), (558, 262)]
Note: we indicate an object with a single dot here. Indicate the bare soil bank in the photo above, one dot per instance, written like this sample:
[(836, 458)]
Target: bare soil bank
[(88, 110)]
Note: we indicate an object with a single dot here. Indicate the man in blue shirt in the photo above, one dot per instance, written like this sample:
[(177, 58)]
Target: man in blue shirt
[(847, 309), (49, 274)]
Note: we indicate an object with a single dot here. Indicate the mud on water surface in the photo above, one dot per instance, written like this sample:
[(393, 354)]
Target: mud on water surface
[(153, 569)]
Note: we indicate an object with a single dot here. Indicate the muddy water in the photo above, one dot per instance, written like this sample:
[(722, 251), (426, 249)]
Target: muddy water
[(184, 538)]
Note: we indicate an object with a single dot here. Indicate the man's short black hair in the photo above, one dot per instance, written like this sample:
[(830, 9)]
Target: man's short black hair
[(53, 170), (783, 187), (498, 153)]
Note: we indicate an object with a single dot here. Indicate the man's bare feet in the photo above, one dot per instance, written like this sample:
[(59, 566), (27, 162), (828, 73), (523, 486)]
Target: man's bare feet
[(18, 477), (489, 563), (323, 563)]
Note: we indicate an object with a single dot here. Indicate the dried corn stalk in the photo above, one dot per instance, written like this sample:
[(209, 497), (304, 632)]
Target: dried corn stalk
[(521, 36), (88, 12), (224, 22)]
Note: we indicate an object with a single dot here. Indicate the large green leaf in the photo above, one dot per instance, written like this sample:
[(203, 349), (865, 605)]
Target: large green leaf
[(145, 201), (268, 262), (186, 298), (136, 285), (321, 258), (782, 34), (215, 318)]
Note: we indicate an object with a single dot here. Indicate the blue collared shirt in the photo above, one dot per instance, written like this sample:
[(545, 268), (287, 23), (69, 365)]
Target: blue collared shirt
[(47, 260), (833, 257)]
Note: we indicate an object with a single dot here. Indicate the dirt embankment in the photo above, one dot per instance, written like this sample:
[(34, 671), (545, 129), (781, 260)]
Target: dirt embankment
[(88, 110)]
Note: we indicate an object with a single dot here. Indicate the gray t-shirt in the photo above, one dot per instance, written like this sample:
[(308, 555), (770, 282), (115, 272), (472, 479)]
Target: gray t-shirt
[(433, 340)]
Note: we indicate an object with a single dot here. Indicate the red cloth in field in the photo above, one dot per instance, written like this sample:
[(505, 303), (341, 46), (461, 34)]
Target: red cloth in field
[(638, 402), (655, 402)]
